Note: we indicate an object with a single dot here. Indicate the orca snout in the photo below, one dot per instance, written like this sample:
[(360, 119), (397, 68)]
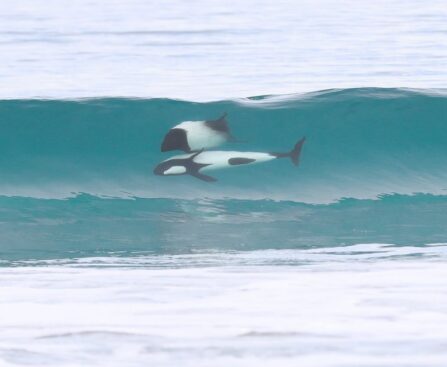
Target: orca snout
[(159, 170), (175, 139)]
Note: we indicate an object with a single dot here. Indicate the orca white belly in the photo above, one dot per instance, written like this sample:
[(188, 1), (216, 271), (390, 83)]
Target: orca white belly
[(222, 159)]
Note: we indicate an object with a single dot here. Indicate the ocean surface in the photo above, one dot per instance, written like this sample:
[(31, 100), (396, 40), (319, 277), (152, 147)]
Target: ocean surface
[(339, 262), (213, 49)]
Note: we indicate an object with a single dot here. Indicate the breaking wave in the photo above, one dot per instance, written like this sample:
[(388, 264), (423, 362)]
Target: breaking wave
[(76, 175)]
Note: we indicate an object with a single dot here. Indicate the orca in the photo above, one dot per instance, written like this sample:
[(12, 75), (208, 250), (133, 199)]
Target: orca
[(192, 136), (196, 163)]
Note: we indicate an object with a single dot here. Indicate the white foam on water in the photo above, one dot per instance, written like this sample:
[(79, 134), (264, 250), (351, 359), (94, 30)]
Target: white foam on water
[(246, 309), (291, 257)]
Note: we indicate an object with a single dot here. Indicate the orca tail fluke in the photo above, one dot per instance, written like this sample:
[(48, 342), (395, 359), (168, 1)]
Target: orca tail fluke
[(294, 154)]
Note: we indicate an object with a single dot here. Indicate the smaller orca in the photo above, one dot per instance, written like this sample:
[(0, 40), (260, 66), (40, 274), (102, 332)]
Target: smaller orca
[(192, 136), (197, 163)]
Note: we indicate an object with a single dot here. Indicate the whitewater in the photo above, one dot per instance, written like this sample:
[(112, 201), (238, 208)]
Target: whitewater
[(354, 306), (338, 262)]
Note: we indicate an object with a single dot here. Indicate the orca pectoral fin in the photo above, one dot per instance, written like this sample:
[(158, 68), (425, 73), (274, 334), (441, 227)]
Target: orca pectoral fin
[(203, 177)]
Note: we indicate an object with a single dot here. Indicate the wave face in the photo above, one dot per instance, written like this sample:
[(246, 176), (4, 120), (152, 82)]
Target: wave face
[(77, 175)]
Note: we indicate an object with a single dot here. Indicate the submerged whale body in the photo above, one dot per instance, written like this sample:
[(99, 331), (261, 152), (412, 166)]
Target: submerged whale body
[(192, 136), (197, 163)]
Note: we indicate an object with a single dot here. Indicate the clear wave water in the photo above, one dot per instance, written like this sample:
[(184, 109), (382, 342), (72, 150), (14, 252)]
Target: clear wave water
[(77, 175)]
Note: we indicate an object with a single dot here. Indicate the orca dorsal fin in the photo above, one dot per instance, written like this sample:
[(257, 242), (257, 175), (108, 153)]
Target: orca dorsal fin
[(195, 154), (223, 116), (220, 124)]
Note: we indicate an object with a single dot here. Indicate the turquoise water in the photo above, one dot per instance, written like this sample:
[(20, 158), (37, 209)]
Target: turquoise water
[(77, 175), (87, 225), (360, 143)]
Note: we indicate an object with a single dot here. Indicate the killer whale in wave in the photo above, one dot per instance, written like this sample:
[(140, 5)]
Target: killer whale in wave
[(192, 136), (196, 163)]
